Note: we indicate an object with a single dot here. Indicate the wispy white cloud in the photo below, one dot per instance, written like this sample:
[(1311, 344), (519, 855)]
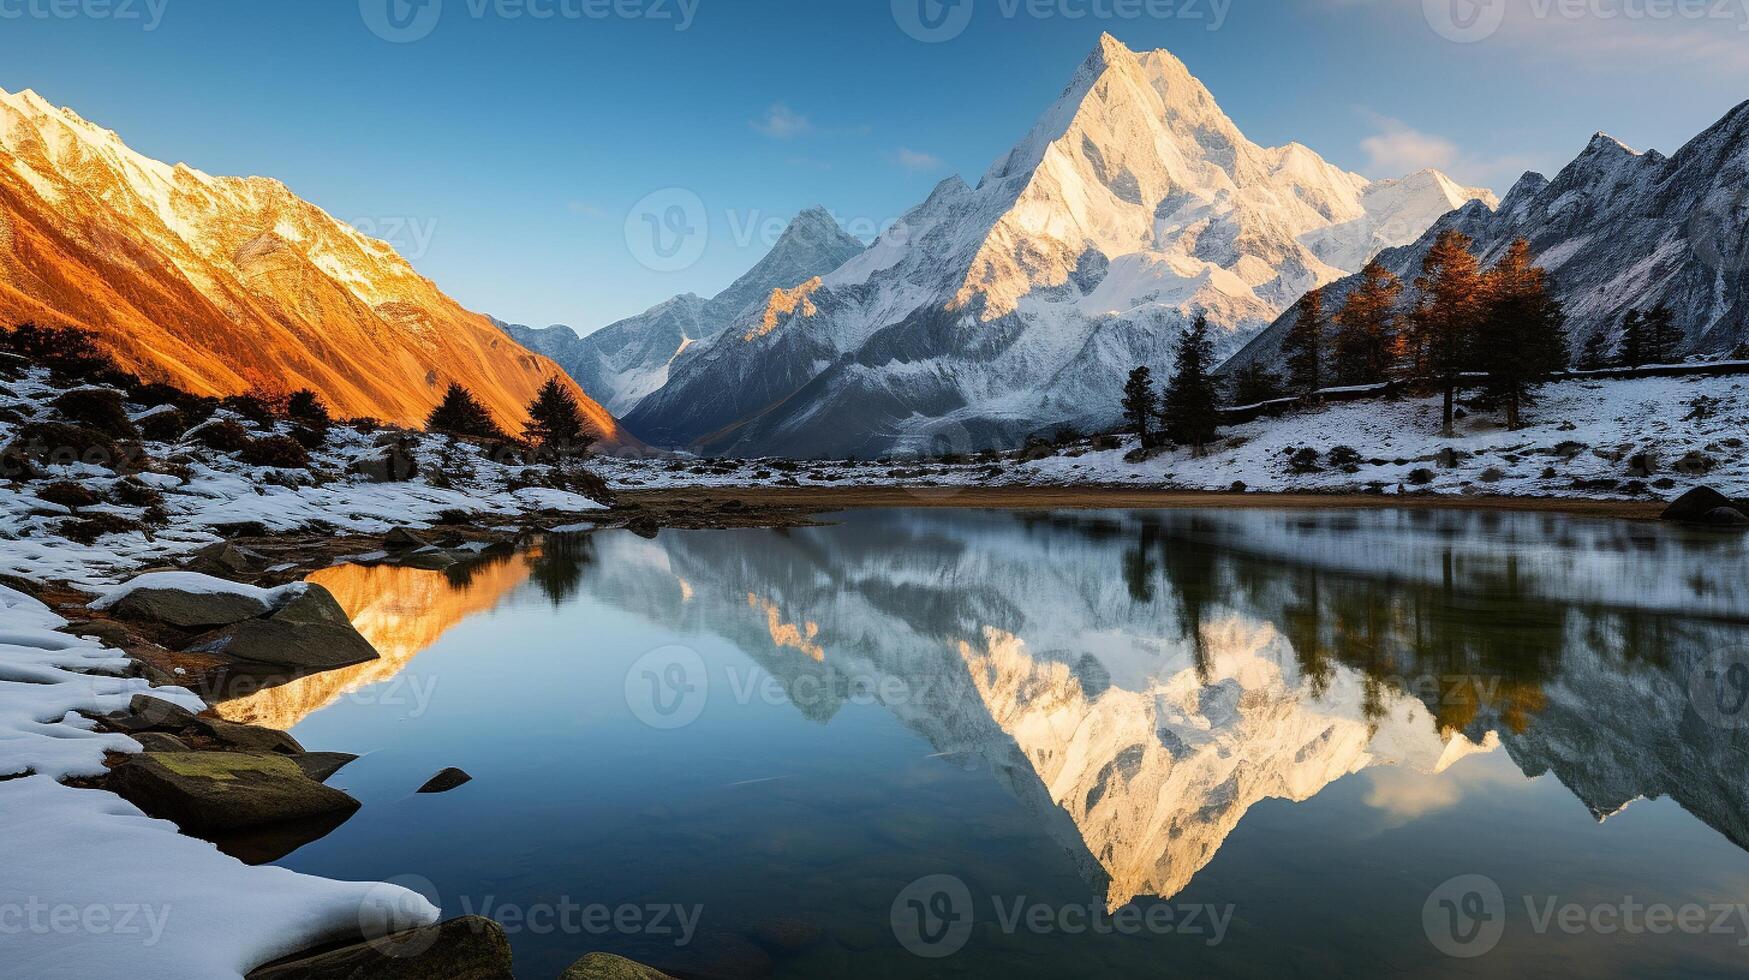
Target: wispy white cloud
[(780, 122), (917, 161), (1396, 148)]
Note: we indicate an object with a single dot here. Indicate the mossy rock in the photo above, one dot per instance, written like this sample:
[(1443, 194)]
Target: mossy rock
[(220, 792), (606, 966)]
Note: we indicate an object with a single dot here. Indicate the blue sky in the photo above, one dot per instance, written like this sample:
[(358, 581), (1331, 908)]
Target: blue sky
[(503, 151)]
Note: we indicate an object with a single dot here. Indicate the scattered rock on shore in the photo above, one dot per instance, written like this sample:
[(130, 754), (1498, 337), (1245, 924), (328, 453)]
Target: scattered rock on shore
[(308, 632), (606, 966), (218, 792), (471, 948), (445, 781), (186, 600), (321, 765), (1706, 507)]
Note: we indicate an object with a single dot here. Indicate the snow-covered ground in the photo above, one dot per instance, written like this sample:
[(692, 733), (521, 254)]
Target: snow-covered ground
[(1580, 432), (91, 886), (219, 490)]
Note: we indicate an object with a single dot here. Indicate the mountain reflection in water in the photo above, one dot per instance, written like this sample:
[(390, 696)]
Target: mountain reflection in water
[(1139, 681)]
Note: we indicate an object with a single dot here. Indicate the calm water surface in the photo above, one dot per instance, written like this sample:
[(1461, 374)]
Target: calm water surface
[(936, 743)]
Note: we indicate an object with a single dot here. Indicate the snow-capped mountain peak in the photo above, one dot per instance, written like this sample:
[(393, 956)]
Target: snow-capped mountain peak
[(994, 312), (626, 361)]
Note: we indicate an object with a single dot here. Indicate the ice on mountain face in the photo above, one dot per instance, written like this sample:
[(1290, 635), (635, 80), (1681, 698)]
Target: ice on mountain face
[(622, 363), (1618, 230), (1015, 307)]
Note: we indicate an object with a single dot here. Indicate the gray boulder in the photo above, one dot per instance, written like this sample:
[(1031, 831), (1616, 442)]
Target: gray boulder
[(322, 765), (392, 465), (1694, 506), (220, 792), (277, 643), (445, 781), (1725, 517), (188, 609)]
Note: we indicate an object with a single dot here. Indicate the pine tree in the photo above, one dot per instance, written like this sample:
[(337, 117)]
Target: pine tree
[(556, 422), (1366, 328), (1141, 403), (1304, 345), (1443, 324), (1192, 413), (1663, 340), (1597, 354), (461, 414), (1254, 384), (1522, 338), (1633, 340), (305, 407)]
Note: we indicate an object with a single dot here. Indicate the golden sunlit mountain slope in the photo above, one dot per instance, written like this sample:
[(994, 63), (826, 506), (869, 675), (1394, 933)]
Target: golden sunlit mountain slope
[(221, 284)]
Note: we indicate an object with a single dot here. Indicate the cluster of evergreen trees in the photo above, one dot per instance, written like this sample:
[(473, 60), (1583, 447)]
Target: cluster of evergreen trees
[(1187, 411), (555, 424), (1649, 337), (1501, 322)]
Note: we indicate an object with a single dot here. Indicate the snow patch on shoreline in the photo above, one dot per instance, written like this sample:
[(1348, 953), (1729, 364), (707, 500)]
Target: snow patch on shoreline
[(98, 888)]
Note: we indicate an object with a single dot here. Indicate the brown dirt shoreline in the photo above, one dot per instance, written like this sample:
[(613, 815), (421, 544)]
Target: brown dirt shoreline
[(821, 500)]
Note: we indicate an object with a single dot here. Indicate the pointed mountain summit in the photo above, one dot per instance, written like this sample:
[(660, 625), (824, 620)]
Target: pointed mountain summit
[(627, 360), (222, 284), (996, 312)]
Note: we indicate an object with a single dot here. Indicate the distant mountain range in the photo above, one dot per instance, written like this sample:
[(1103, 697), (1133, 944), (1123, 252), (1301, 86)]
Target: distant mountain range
[(1617, 230), (994, 312), (623, 362), (222, 284)]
